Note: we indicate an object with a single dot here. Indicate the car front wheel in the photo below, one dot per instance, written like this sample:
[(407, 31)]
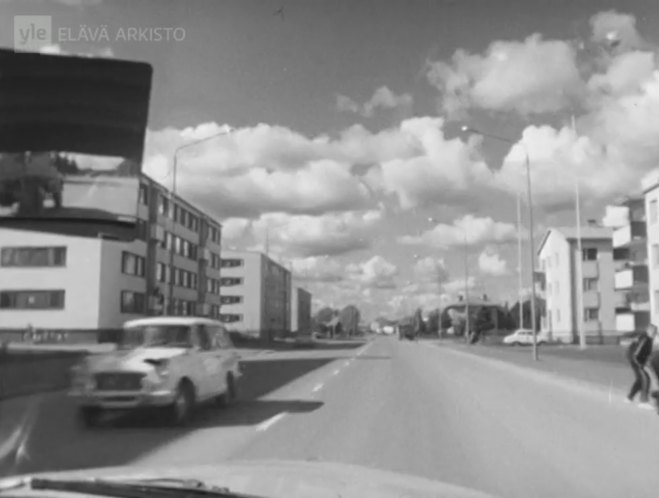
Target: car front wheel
[(180, 411)]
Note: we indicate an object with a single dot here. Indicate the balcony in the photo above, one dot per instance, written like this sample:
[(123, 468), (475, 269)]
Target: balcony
[(590, 269), (633, 233), (591, 299), (625, 322), (640, 307), (633, 276), (621, 300)]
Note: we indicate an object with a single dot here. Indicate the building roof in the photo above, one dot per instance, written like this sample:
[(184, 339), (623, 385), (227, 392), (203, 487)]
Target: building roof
[(588, 232)]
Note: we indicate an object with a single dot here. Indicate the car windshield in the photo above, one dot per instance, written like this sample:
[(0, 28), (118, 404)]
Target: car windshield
[(155, 336)]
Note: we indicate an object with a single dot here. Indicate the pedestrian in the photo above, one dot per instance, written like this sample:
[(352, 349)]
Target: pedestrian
[(638, 353)]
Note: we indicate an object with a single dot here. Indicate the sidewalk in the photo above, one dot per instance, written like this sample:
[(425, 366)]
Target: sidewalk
[(601, 365)]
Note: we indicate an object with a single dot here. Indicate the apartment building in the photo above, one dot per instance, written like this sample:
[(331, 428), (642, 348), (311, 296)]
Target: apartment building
[(558, 256), (301, 311), (630, 254), (256, 294), (651, 198), (58, 281)]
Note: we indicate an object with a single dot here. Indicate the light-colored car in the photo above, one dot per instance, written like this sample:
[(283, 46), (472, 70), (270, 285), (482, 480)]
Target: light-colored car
[(170, 363), (524, 337)]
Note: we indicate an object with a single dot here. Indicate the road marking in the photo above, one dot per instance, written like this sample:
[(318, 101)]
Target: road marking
[(264, 426), (317, 388), (336, 372)]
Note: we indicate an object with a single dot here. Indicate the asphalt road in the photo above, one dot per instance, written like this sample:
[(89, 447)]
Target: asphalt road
[(445, 412)]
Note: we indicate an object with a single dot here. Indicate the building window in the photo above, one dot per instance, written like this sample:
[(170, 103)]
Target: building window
[(33, 257), (556, 258), (161, 272), (556, 288), (549, 288), (558, 315), (653, 211), (229, 281), (193, 223), (163, 204), (216, 261), (591, 314), (655, 254), (590, 254), (230, 317), (232, 263), (590, 284), (194, 281), (194, 252), (231, 299), (142, 230), (144, 194), (131, 264), (32, 299), (132, 302)]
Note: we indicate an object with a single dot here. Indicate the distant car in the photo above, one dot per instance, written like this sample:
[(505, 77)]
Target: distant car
[(304, 341), (524, 337), (169, 363)]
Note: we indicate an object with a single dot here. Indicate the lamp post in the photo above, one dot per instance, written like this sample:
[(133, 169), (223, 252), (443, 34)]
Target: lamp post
[(466, 290), (170, 294), (527, 161)]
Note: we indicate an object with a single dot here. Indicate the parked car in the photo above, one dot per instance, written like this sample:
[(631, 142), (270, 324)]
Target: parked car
[(170, 363), (524, 337)]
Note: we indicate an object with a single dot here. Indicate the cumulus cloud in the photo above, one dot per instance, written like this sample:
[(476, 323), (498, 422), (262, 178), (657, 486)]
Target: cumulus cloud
[(469, 229), (318, 269), (383, 98), (235, 228), (431, 270), (269, 168), (532, 76), (328, 234), (491, 263), (616, 29), (441, 171), (376, 272)]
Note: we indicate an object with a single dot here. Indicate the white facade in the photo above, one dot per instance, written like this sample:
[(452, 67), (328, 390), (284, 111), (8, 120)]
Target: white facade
[(256, 294), (558, 258), (90, 278), (651, 190), (301, 311)]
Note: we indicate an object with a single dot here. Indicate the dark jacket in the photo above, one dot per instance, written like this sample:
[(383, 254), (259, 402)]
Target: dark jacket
[(643, 349)]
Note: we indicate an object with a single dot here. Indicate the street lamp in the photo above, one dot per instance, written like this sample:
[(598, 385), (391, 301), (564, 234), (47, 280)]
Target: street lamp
[(227, 131), (468, 129)]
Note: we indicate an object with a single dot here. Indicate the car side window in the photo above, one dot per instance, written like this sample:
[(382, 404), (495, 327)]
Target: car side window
[(205, 338)]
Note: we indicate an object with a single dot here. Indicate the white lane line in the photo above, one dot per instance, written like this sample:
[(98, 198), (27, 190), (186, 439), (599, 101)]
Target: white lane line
[(265, 425), (317, 388), (336, 372)]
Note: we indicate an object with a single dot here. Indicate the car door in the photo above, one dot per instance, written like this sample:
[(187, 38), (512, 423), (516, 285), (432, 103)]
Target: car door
[(209, 361)]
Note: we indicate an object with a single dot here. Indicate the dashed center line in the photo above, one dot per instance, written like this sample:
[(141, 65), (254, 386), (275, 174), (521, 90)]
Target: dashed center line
[(264, 426), (336, 372), (317, 388)]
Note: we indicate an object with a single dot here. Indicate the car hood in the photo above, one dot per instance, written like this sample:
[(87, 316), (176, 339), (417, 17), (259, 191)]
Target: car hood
[(275, 479), (131, 359)]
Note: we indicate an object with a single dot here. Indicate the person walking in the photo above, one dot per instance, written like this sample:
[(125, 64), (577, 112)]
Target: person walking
[(638, 354)]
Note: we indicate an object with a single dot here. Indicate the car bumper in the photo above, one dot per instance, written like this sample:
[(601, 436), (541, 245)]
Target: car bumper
[(121, 400)]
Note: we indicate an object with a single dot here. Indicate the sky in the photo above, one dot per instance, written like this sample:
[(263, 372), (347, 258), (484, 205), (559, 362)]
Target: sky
[(347, 144)]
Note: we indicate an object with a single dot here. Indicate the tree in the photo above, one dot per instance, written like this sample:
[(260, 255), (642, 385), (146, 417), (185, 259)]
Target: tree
[(324, 315), (349, 317)]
